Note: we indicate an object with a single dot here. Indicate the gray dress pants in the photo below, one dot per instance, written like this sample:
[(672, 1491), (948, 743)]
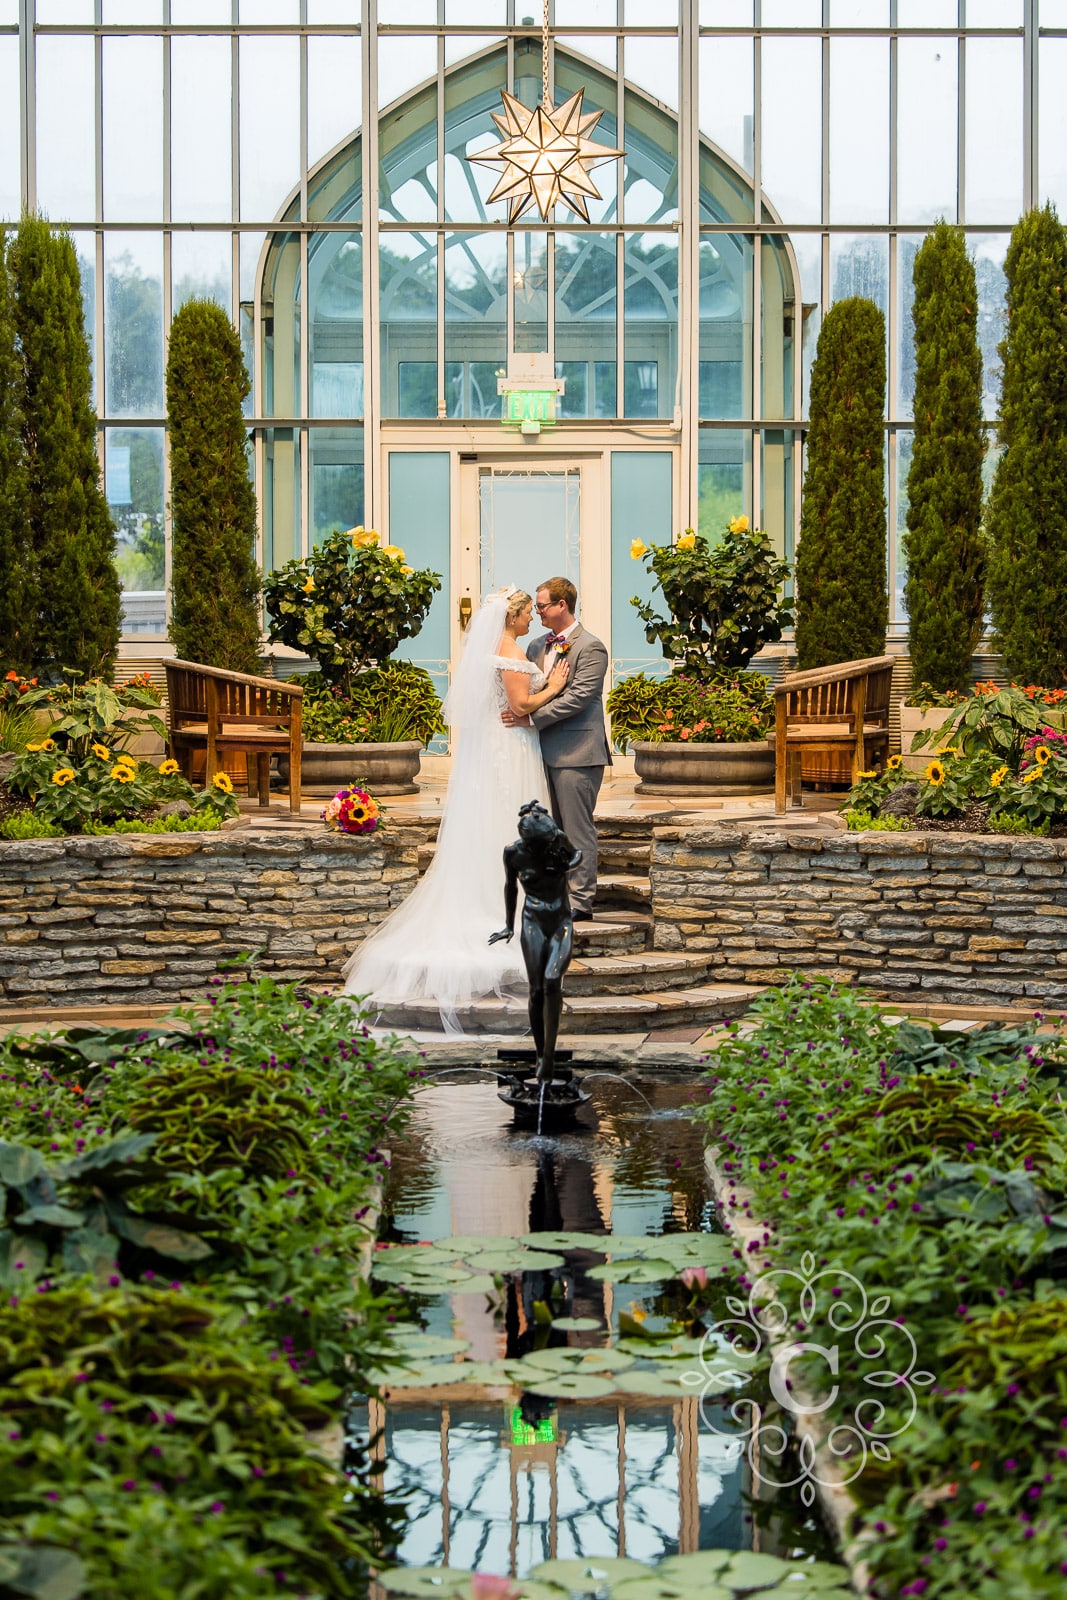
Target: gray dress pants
[(573, 792)]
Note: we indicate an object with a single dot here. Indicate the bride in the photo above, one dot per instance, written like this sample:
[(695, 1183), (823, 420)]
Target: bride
[(435, 945)]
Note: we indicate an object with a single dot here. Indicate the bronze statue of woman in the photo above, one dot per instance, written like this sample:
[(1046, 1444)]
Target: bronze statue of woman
[(540, 859)]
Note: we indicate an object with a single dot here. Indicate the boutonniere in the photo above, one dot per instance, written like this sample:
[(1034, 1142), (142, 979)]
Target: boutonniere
[(563, 647)]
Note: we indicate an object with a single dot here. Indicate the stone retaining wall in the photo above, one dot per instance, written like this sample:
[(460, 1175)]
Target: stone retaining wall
[(937, 916), (147, 918)]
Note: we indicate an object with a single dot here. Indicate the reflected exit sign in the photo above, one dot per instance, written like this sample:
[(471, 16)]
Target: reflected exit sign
[(528, 405)]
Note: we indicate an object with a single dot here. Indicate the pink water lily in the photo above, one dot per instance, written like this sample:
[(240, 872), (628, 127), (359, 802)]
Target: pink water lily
[(695, 1277), (487, 1586)]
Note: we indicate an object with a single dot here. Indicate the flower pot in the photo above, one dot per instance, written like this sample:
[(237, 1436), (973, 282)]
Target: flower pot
[(696, 769), (383, 768)]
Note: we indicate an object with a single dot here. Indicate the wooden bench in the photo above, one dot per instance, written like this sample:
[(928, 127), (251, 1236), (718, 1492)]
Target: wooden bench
[(219, 712), (829, 710)]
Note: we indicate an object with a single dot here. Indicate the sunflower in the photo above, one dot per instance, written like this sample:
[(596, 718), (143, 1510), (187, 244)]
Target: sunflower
[(893, 763), (1042, 754), (861, 775), (101, 752), (63, 776), (168, 768), (123, 773), (997, 778), (42, 744), (935, 774), (222, 781), (125, 760), (1028, 777)]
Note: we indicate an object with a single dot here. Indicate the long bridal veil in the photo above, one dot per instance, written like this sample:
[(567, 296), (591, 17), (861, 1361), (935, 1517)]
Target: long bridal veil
[(434, 948)]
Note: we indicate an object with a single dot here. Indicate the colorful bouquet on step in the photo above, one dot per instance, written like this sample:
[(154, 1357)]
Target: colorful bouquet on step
[(352, 810)]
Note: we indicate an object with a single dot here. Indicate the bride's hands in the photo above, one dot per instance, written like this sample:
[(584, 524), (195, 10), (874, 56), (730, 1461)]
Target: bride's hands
[(557, 678)]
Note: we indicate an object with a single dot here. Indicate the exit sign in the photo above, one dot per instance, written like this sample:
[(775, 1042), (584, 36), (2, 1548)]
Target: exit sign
[(528, 405)]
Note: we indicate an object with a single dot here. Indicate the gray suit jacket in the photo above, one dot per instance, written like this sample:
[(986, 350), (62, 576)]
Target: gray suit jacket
[(572, 725)]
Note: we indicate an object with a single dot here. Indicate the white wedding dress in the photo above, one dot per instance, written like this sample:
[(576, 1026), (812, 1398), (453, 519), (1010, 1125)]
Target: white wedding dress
[(435, 945)]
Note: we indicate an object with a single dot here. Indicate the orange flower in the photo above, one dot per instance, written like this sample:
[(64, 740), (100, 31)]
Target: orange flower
[(12, 677), (685, 733)]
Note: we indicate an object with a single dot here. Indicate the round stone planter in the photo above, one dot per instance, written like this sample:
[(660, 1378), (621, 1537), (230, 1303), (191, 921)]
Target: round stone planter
[(384, 768), (699, 769)]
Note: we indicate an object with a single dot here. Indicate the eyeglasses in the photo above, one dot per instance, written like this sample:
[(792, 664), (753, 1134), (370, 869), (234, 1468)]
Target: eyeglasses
[(547, 605)]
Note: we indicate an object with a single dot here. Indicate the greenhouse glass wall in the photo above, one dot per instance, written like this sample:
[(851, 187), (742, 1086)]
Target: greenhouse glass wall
[(306, 164)]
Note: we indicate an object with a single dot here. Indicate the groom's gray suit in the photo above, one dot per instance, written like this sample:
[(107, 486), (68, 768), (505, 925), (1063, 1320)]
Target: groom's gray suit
[(575, 750)]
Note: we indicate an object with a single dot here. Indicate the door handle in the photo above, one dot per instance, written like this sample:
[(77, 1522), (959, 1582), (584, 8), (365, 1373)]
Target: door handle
[(466, 607)]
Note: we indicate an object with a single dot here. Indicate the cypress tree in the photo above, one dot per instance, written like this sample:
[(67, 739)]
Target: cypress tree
[(16, 588), (78, 599), (842, 606), (943, 541), (214, 578), (1027, 518)]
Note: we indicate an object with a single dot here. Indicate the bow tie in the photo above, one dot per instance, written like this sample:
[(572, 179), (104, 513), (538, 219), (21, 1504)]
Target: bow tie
[(555, 639)]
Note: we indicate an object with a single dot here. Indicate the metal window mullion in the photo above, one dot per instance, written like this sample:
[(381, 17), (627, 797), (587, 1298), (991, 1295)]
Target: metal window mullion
[(757, 122), (303, 115), (442, 397), (961, 128), (824, 201), (757, 379), (550, 296), (510, 294), (891, 530), (620, 324), (304, 406), (28, 121), (894, 114), (372, 399), (1031, 174), (98, 118), (688, 390), (235, 125)]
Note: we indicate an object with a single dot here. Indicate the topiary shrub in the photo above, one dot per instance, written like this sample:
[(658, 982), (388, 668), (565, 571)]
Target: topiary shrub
[(943, 542), (1027, 519), (75, 595), (842, 605), (16, 615), (214, 579)]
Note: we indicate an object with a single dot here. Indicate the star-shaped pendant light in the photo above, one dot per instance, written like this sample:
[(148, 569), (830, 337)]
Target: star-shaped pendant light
[(546, 153)]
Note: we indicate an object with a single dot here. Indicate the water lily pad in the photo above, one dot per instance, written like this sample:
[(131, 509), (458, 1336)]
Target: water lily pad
[(514, 1260), (663, 1349), (695, 1570), (656, 1587), (434, 1273), (825, 1578), (588, 1576), (795, 1588), (476, 1283), (570, 1358), (425, 1582), (632, 1270), (424, 1375), (695, 1249), (577, 1324), (656, 1384), (430, 1346), (489, 1373), (566, 1241), (460, 1244), (413, 1255), (569, 1385), (630, 1244), (530, 1589), (751, 1569)]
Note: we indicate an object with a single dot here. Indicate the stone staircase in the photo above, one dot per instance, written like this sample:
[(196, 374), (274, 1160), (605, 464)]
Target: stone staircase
[(616, 983)]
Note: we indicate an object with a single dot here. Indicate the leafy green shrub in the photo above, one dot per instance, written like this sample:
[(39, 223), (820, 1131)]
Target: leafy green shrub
[(943, 543), (349, 603), (995, 720), (723, 601), (392, 702), (842, 604), (1011, 822), (680, 708), (16, 587), (71, 585), (1027, 512), (24, 825), (866, 822), (214, 578)]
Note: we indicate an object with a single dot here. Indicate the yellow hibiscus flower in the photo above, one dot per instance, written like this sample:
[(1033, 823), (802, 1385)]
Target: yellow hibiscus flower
[(739, 525), (407, 571), (63, 776), (222, 781), (997, 778), (687, 540), (935, 774), (101, 752), (309, 587), (638, 548), (168, 768), (394, 551), (1042, 754), (123, 773), (363, 538)]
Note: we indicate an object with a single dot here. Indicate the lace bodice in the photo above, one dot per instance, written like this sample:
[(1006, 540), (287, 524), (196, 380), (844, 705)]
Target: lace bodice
[(516, 664)]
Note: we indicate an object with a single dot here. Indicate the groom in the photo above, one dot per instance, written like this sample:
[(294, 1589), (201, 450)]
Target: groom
[(574, 744)]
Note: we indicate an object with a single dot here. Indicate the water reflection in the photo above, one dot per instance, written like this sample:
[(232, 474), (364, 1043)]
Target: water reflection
[(498, 1481)]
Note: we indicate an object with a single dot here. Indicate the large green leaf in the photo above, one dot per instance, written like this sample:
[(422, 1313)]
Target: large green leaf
[(107, 1159), (19, 1163), (86, 1250), (22, 1258), (47, 1573), (51, 1216), (165, 1240)]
